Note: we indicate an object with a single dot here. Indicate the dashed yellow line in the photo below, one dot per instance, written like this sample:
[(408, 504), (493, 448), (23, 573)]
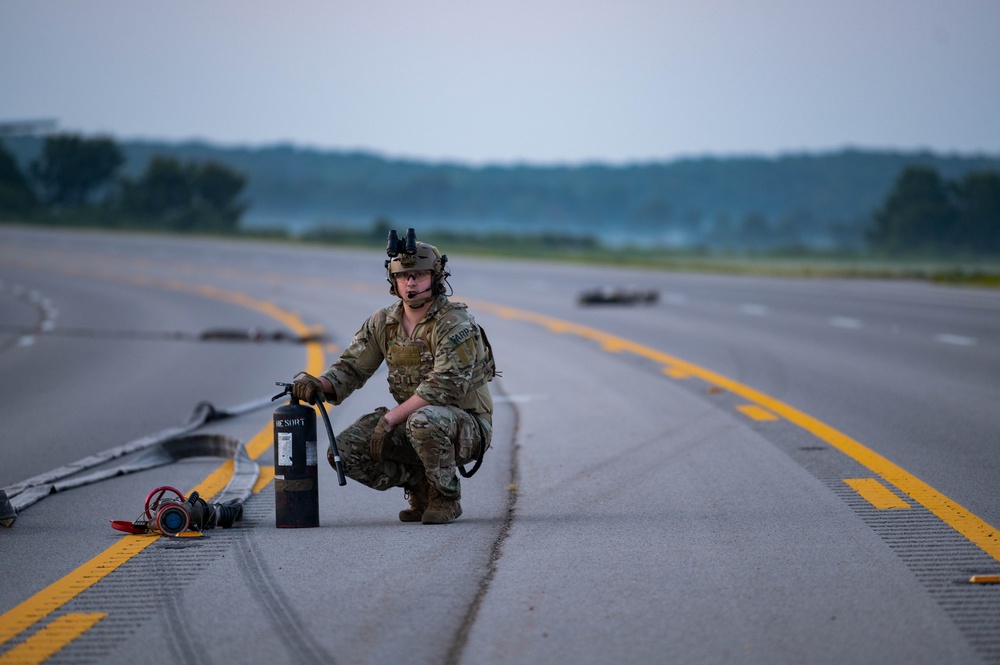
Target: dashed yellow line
[(978, 531), (34, 609), (42, 604), (875, 493), (42, 645), (21, 617)]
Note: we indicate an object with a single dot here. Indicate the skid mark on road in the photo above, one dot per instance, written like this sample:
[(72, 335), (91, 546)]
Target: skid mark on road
[(51, 599)]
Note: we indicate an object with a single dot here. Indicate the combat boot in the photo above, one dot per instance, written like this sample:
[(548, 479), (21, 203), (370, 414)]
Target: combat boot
[(417, 494), (441, 509)]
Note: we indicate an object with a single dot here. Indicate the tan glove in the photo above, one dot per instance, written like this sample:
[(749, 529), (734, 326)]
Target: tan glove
[(307, 388), (379, 439)]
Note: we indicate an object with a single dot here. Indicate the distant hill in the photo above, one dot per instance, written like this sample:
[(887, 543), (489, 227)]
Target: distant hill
[(820, 199)]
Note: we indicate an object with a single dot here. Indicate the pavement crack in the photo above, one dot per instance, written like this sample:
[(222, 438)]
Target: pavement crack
[(209, 335), (455, 652)]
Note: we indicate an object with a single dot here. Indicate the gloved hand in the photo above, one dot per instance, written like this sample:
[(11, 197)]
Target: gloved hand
[(307, 388), (379, 439)]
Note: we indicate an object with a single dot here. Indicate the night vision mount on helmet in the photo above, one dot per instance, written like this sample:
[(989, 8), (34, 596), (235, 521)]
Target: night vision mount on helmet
[(408, 254)]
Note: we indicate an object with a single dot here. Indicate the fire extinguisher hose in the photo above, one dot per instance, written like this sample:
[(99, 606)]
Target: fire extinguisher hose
[(333, 447)]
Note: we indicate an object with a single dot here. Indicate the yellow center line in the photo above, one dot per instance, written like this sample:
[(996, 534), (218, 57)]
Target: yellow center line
[(48, 600), (42, 645), (676, 373), (755, 412), (264, 479), (19, 618), (978, 531), (42, 604), (261, 441)]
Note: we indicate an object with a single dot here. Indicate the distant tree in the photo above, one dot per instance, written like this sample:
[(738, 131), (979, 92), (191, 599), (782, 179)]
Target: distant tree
[(793, 227), (978, 201), (16, 195), (218, 187), (754, 233), (722, 233), (653, 212), (185, 196), (381, 226), (427, 193), (918, 214), (72, 168), (163, 191)]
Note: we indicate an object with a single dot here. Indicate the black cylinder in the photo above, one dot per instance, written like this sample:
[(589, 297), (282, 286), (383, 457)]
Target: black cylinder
[(296, 483), (392, 244)]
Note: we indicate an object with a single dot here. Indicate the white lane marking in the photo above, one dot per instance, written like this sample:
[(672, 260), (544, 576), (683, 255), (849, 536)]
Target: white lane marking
[(49, 311), (752, 309), (957, 340), (845, 322)]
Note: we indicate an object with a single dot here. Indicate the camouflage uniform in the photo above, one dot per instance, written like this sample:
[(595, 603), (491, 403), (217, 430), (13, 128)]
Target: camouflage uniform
[(444, 361)]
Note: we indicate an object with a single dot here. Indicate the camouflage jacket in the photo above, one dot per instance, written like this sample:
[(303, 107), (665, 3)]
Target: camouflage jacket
[(447, 360)]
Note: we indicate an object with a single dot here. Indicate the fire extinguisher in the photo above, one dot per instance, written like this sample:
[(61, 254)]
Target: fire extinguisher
[(296, 481)]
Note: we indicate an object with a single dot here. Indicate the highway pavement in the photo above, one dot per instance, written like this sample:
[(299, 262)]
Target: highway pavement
[(748, 470)]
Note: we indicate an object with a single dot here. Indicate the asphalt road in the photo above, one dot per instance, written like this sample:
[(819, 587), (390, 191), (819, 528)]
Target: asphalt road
[(668, 483)]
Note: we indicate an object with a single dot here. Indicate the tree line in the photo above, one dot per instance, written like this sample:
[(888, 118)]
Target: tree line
[(902, 205), (925, 213), (77, 180)]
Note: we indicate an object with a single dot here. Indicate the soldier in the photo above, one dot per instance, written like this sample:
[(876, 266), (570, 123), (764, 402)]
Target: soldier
[(439, 363)]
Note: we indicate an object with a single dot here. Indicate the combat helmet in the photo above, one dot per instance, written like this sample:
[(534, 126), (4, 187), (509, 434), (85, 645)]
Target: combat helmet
[(408, 254)]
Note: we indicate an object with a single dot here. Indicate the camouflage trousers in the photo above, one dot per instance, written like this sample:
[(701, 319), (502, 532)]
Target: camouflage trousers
[(431, 443)]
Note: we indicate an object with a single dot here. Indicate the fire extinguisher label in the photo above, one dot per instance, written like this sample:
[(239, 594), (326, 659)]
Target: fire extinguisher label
[(284, 448)]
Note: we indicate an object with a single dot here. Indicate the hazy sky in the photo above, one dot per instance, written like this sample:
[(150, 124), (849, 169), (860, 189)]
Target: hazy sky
[(499, 81)]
